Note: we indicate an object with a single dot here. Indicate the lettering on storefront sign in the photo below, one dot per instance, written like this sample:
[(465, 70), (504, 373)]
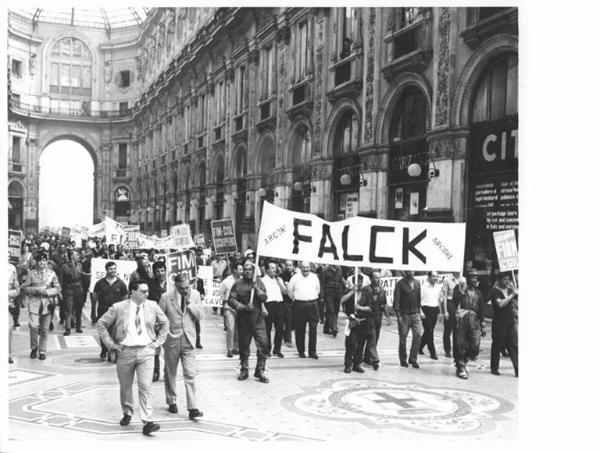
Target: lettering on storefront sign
[(490, 154)]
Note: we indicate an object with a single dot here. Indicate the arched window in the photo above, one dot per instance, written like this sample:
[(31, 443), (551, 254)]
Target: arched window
[(71, 69), (301, 146), (346, 139), (408, 120), (497, 93), (241, 167)]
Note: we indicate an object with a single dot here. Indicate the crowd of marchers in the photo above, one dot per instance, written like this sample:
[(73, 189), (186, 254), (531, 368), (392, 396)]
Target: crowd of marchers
[(272, 301)]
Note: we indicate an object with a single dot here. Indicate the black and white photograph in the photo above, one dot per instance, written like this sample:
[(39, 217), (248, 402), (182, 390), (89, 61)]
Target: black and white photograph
[(178, 175)]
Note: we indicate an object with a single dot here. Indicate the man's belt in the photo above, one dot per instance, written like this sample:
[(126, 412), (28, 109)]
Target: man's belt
[(305, 301)]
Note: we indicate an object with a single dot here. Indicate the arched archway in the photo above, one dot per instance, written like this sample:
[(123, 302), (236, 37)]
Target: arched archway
[(73, 200)]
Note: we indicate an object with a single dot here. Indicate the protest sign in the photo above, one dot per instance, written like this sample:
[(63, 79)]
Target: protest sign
[(361, 241), (181, 237), (506, 250), (124, 270), (97, 230), (65, 233), (389, 284), (183, 262), (114, 231), (131, 236), (211, 287), (199, 240), (15, 238), (223, 235)]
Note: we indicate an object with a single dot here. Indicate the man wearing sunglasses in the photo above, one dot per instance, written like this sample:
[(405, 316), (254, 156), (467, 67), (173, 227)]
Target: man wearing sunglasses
[(129, 328)]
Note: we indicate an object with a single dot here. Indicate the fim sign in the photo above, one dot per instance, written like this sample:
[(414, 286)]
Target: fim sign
[(183, 262), (506, 250), (223, 236)]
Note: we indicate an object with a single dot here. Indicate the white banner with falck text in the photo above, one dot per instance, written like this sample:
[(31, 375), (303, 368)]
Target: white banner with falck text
[(361, 241)]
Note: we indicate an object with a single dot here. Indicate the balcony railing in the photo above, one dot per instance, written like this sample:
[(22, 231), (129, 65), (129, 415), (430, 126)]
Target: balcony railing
[(20, 107)]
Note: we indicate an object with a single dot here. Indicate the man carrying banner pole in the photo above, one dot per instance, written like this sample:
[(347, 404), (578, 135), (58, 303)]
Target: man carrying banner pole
[(251, 315)]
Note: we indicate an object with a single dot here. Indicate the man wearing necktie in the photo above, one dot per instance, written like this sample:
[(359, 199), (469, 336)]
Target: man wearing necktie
[(183, 308), (128, 327)]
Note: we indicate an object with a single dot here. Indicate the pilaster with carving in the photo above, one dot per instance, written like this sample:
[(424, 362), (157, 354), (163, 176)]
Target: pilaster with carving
[(370, 78), (442, 101)]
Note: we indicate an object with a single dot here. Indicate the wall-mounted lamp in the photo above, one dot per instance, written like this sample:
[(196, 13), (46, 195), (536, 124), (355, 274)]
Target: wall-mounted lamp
[(346, 180), (157, 207), (262, 192), (414, 170), (213, 198), (298, 186), (235, 196)]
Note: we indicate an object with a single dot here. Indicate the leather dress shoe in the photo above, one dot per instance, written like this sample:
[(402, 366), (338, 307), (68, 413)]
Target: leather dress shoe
[(375, 366), (150, 428), (334, 333), (462, 374), (495, 372), (10, 360), (194, 414), (358, 369), (414, 363), (243, 375), (434, 357), (448, 355), (302, 355), (404, 364), (261, 377), (421, 352), (125, 420), (42, 356), (279, 354), (313, 356), (103, 355), (33, 353), (78, 330), (173, 408), (229, 354), (67, 332), (155, 375), (348, 369)]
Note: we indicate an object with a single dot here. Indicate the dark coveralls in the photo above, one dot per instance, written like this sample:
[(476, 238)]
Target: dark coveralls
[(504, 329), (250, 321), (73, 300), (378, 304), (469, 316), (331, 287), (362, 332), (407, 305)]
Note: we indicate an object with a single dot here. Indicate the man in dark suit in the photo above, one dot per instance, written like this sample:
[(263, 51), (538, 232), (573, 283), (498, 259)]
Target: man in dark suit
[(407, 305), (128, 327), (182, 307)]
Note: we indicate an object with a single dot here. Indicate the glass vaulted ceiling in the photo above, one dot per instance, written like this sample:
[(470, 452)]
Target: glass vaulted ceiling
[(108, 18)]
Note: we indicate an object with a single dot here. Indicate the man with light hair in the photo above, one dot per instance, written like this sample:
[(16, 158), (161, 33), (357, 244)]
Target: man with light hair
[(304, 289)]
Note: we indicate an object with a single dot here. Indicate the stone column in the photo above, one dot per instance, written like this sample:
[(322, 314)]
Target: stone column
[(374, 192)]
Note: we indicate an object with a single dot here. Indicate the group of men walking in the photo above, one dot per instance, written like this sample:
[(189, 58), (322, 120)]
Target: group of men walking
[(136, 321)]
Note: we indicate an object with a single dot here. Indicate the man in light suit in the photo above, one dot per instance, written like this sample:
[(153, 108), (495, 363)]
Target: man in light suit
[(183, 308), (128, 327)]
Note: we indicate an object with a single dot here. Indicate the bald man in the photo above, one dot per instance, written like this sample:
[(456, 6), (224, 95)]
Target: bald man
[(304, 289)]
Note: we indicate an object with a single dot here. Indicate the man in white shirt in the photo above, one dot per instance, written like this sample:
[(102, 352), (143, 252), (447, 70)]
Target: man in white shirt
[(304, 289), (229, 314), (129, 328), (431, 304), (274, 305)]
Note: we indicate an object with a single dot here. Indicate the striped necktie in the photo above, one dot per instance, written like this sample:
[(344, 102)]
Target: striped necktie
[(138, 322)]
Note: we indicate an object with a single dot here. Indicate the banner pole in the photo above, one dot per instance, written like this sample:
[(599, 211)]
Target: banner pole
[(514, 279), (356, 284), (254, 278)]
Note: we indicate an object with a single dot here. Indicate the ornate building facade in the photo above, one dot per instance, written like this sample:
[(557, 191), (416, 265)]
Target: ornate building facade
[(199, 114)]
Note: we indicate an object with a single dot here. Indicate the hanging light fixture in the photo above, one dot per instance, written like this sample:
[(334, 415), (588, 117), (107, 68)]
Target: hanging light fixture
[(345, 179), (298, 186), (414, 170), (262, 192)]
